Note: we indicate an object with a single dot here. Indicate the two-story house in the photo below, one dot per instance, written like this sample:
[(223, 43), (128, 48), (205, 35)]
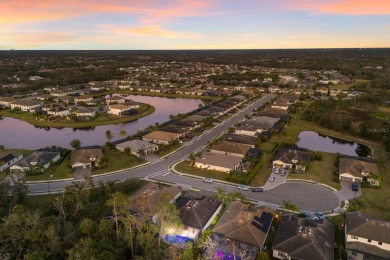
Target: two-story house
[(366, 238)]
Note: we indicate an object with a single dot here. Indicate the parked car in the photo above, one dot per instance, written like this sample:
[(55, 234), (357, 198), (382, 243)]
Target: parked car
[(283, 173), (242, 187), (355, 186), (257, 189), (208, 180), (200, 129), (271, 179), (276, 170), (306, 214), (319, 215)]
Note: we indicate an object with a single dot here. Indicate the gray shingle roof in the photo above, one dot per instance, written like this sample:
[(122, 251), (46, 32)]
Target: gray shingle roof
[(358, 224), (305, 239), (195, 212)]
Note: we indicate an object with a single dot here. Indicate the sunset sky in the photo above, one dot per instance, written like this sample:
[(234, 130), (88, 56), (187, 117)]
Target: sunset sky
[(193, 24)]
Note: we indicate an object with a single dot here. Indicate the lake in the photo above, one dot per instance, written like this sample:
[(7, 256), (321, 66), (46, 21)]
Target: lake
[(317, 142), (17, 134)]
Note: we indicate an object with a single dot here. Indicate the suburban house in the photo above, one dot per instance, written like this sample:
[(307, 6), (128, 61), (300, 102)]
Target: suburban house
[(59, 93), (137, 147), (6, 102), (242, 139), (355, 170), (115, 100), (83, 99), (84, 113), (267, 120), (271, 112), (56, 110), (273, 89), (366, 238), (122, 108), (8, 159), (194, 118), (242, 230), (188, 124), (161, 137), (197, 212), (250, 129), (229, 148), (144, 201), (280, 104), (217, 162), (300, 238), (39, 160), (26, 105), (291, 159), (85, 158)]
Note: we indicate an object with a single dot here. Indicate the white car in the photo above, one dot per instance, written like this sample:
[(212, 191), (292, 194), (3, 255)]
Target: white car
[(242, 187), (208, 180), (271, 179)]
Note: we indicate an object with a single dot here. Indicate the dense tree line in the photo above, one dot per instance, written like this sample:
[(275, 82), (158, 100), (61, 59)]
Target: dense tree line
[(338, 115)]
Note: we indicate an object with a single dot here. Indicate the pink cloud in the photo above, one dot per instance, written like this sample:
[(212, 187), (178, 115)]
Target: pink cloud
[(343, 7), (21, 11)]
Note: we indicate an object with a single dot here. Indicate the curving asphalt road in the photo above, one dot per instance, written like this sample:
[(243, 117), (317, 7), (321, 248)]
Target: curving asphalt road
[(307, 196)]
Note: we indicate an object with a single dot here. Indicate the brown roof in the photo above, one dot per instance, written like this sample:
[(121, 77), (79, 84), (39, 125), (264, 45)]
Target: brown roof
[(230, 147), (288, 155), (196, 211), (237, 223), (356, 167), (357, 224), (85, 155), (161, 135), (220, 160), (145, 200)]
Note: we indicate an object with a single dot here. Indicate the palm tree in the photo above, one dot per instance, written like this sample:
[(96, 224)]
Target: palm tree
[(192, 159), (141, 152), (122, 133), (109, 135)]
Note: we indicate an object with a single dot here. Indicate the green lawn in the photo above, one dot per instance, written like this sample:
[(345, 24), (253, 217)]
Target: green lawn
[(262, 176), (320, 171), (184, 168), (380, 115), (167, 150), (58, 171), (102, 119), (268, 147), (118, 161)]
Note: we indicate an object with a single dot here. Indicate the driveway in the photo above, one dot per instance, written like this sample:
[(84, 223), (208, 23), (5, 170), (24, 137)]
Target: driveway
[(79, 173), (346, 192), (279, 179), (151, 158)]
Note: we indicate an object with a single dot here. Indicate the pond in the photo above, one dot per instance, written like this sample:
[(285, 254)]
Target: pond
[(317, 142), (17, 134)]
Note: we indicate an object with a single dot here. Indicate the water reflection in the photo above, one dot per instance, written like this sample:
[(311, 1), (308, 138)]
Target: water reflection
[(18, 134), (317, 142)]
